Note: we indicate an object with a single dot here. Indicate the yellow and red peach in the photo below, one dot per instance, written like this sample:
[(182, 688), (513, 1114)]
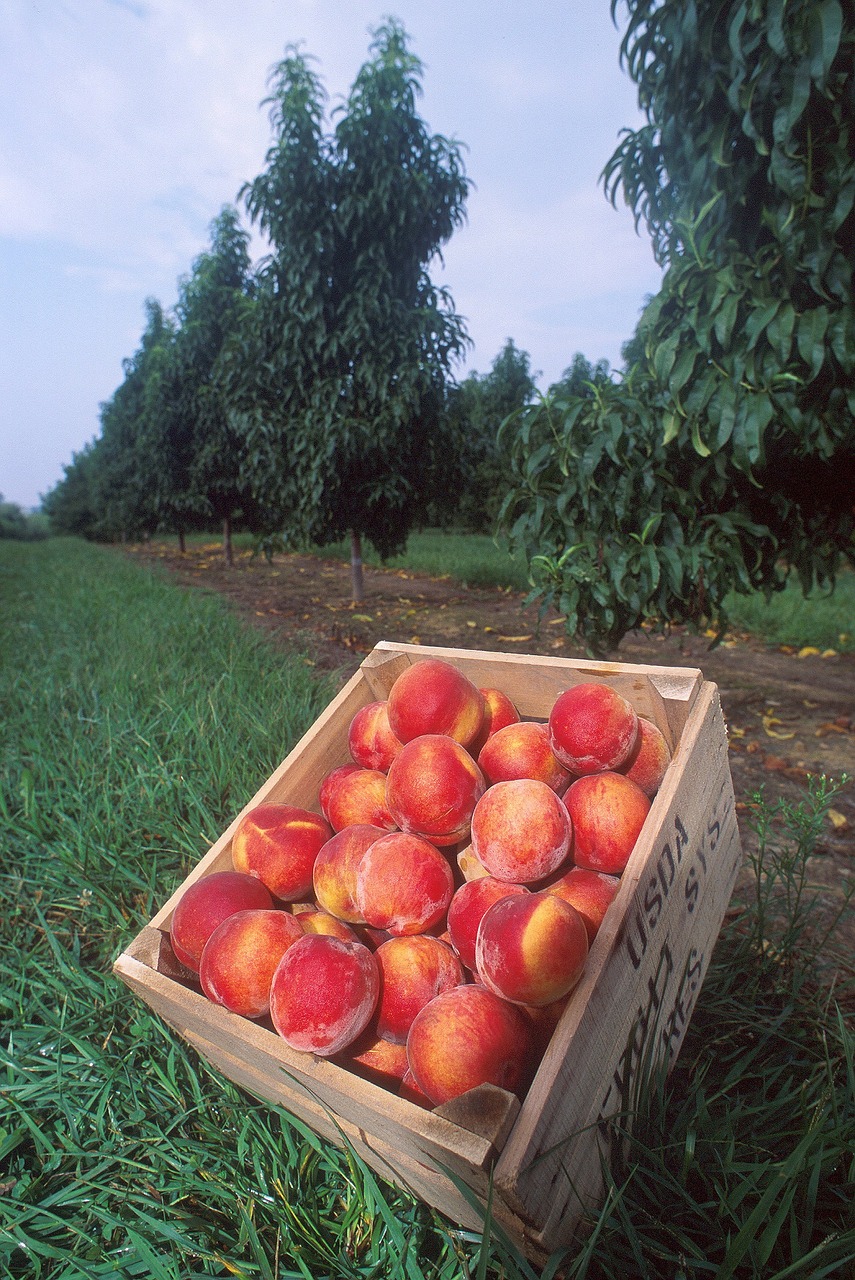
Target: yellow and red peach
[(334, 873), (384, 1062), (324, 993), (241, 956), (592, 728), (403, 884), (413, 970), (370, 740), (432, 788), (522, 750), (608, 811), (359, 798), (468, 905), (205, 904), (278, 843), (432, 696), (499, 711), (521, 831), (323, 922), (649, 758), (410, 1090), (466, 1037), (531, 949), (590, 892), (329, 784)]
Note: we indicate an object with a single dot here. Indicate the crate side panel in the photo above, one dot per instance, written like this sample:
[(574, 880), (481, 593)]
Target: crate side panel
[(650, 971), (390, 1162), (418, 1134)]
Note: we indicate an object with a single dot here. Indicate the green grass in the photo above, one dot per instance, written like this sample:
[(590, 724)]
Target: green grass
[(471, 558), (825, 619), (137, 719)]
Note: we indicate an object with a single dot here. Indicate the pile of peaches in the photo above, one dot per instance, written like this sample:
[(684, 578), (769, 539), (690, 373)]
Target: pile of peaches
[(426, 928)]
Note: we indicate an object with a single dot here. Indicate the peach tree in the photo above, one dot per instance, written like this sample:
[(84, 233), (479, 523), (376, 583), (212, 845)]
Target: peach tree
[(342, 369), (726, 456)]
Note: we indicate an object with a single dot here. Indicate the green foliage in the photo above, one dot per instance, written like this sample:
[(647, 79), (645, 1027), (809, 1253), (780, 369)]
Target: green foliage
[(477, 408), (16, 524), (743, 395), (616, 528), (341, 380), (745, 177)]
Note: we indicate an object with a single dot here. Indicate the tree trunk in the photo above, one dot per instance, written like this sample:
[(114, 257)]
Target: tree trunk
[(182, 541), (227, 540), (357, 593)]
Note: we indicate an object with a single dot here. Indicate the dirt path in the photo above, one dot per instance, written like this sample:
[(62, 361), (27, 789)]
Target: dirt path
[(788, 716)]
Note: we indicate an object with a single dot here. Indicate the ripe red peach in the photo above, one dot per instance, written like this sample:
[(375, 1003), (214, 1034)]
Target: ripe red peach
[(608, 811), (323, 922), (649, 758), (241, 956), (590, 892), (329, 784), (410, 1090), (432, 696), (592, 728), (465, 1037), (522, 750), (413, 970), (324, 993), (432, 788), (371, 1056), (370, 740), (334, 872), (531, 949), (468, 905), (279, 844), (205, 904), (499, 711), (521, 831), (358, 798), (403, 884)]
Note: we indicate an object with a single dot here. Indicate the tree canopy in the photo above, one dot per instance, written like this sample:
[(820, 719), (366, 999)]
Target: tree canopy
[(728, 452), (355, 339)]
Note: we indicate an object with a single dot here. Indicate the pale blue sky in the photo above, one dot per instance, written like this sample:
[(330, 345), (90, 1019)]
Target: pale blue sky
[(126, 125)]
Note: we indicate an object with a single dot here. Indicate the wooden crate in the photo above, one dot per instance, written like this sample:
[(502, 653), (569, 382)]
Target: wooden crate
[(632, 1006)]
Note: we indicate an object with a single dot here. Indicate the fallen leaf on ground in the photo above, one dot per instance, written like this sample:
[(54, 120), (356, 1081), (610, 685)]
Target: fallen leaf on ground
[(838, 820)]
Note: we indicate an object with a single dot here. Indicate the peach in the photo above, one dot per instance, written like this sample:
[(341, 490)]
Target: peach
[(590, 892), (370, 740), (432, 788), (329, 784), (324, 993), (467, 907), (608, 811), (323, 922), (205, 904), (278, 843), (592, 728), (432, 696), (384, 1062), (465, 1037), (499, 711), (410, 1090), (531, 949), (413, 970), (522, 751), (358, 798), (241, 956), (403, 884), (521, 831), (334, 872), (649, 758)]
